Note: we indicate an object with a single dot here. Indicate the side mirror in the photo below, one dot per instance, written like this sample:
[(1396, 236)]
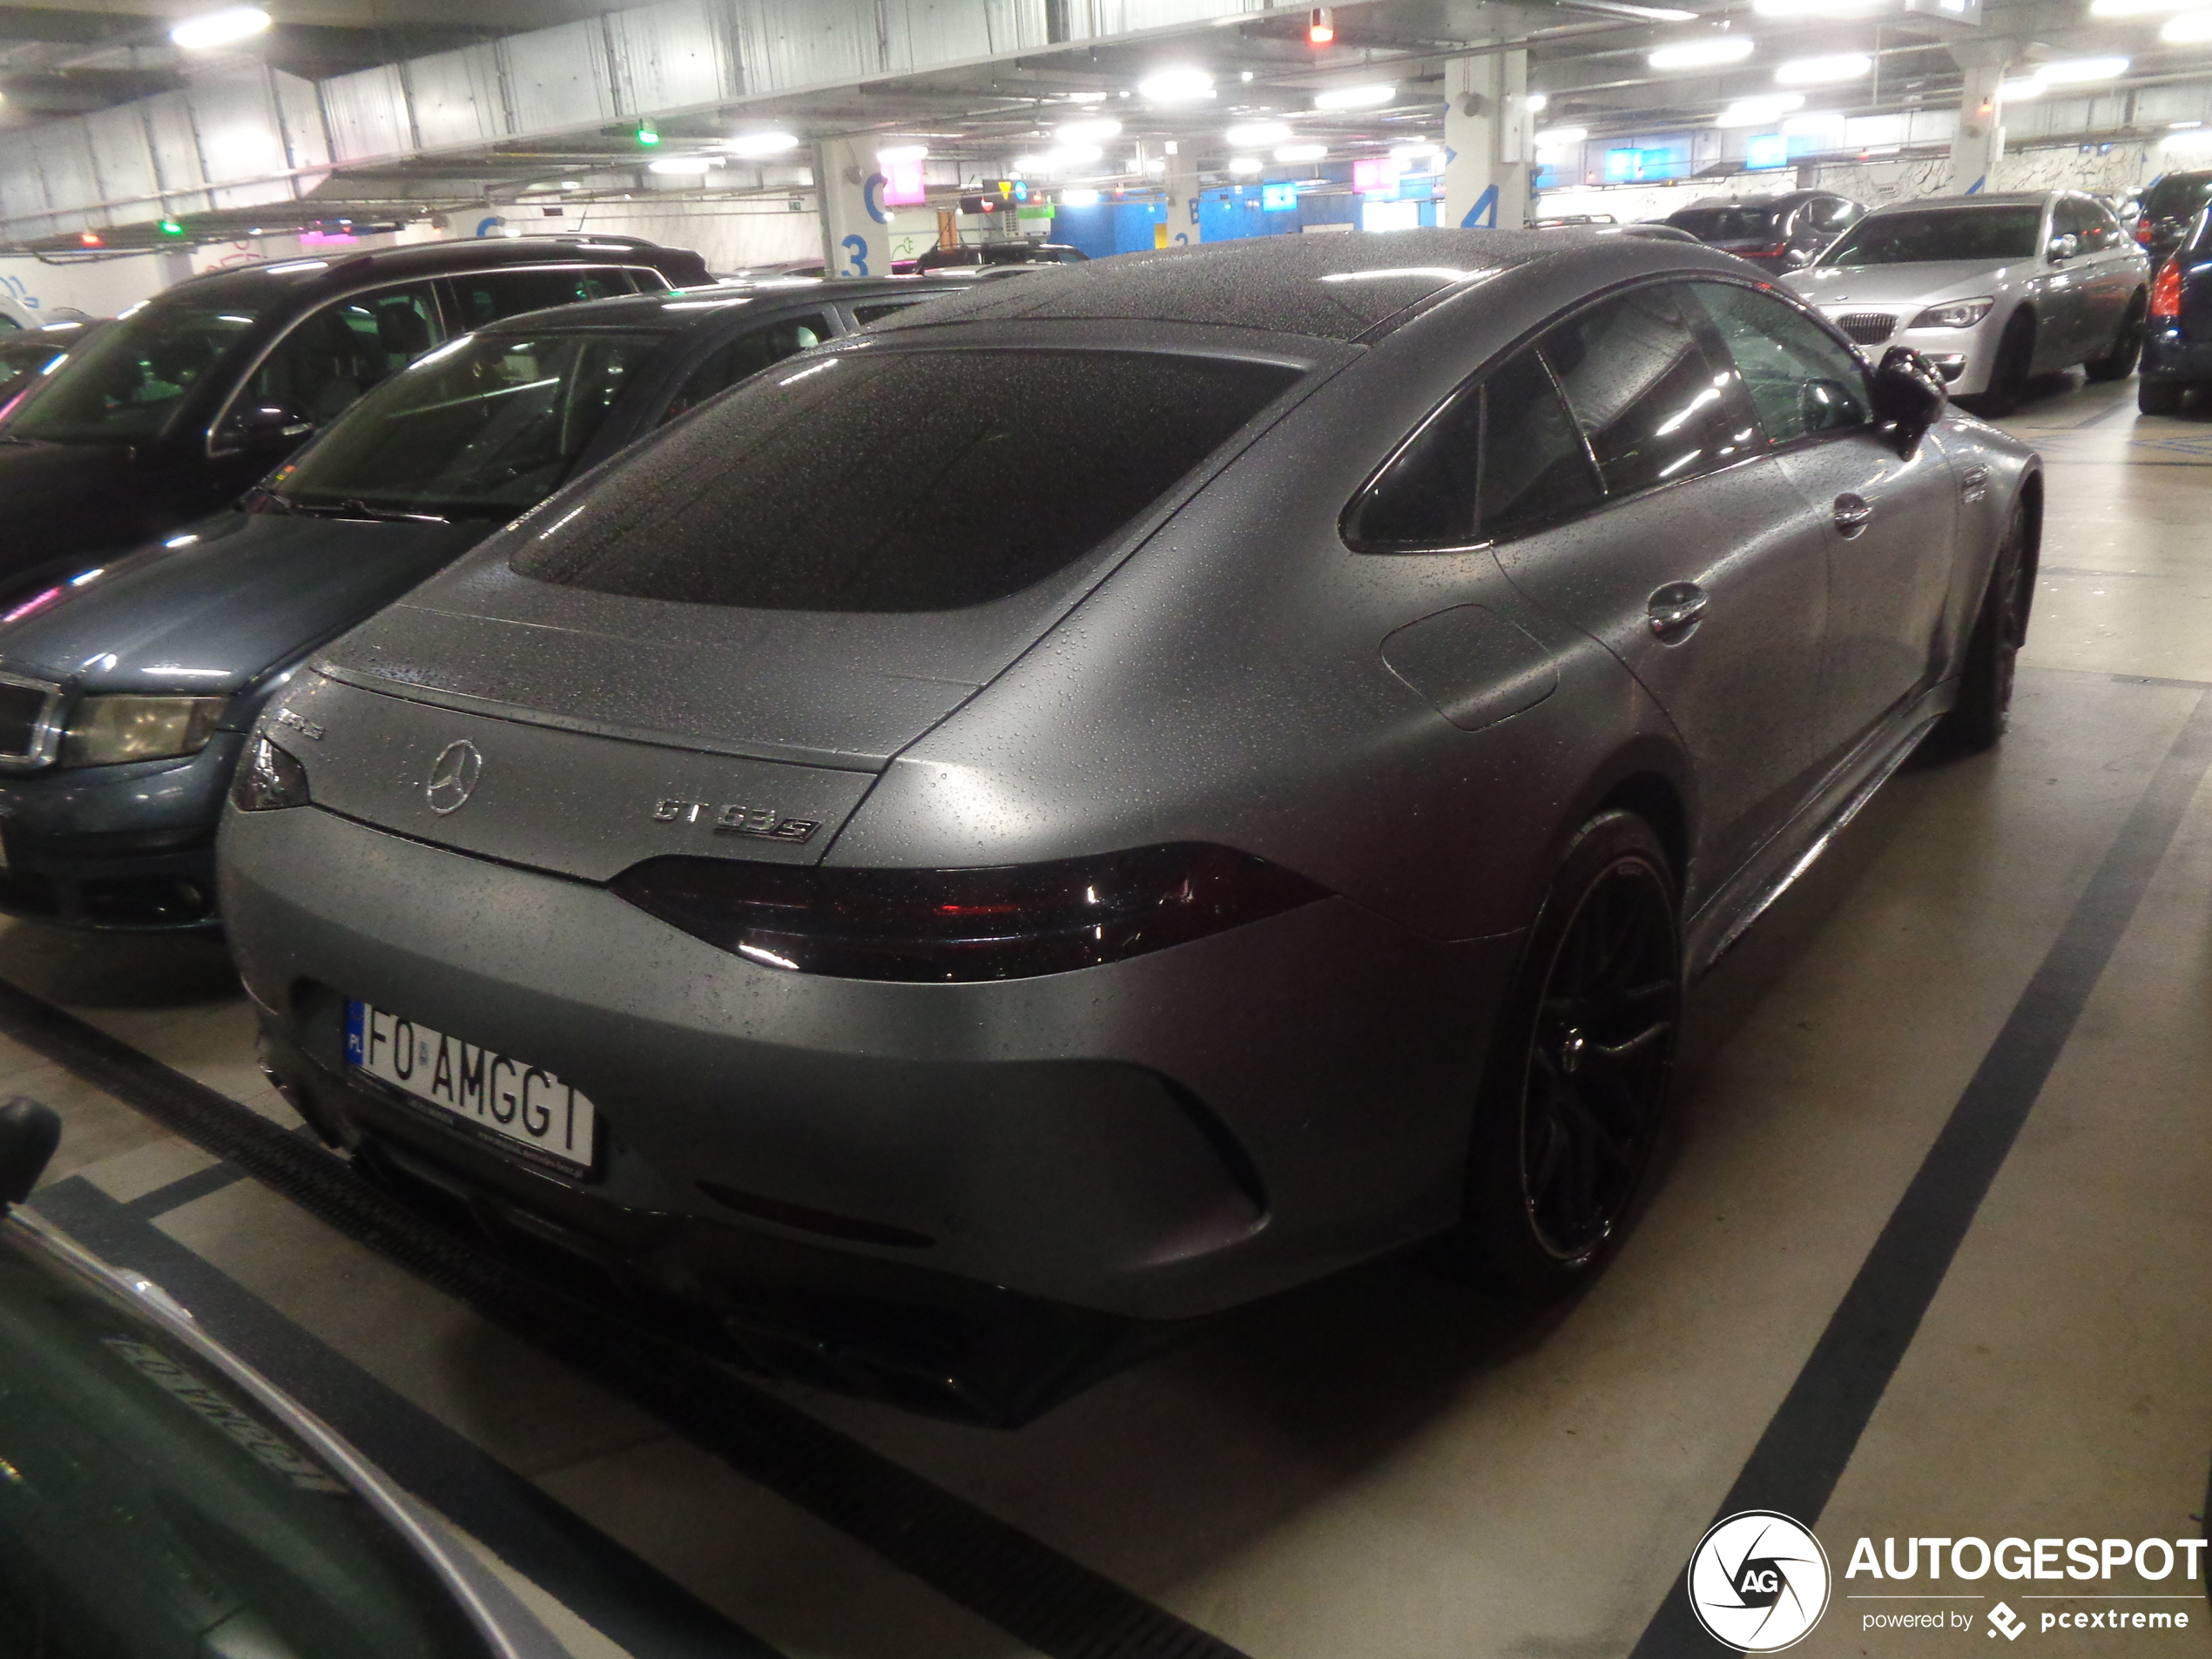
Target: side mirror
[(1908, 392), (29, 1134), (263, 429), (2063, 248)]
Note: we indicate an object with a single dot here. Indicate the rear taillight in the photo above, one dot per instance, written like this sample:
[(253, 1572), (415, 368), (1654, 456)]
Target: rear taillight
[(2143, 230), (2166, 292), (1008, 922)]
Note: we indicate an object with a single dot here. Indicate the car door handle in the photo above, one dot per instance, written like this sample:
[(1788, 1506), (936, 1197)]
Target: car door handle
[(1852, 514), (1674, 610)]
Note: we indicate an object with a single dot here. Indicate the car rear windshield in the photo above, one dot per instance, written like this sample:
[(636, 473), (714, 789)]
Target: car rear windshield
[(2178, 195), (901, 481), (483, 429), (123, 385), (1991, 233), (1724, 224)]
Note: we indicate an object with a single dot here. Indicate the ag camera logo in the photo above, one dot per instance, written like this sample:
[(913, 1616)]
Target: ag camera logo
[(1758, 1582)]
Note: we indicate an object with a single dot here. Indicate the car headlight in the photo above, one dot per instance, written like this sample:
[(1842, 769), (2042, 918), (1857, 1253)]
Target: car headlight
[(107, 730), (269, 780), (1958, 313)]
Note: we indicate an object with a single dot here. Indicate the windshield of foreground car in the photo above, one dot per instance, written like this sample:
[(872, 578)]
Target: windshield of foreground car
[(151, 1507), (899, 481), (1991, 235), (122, 386), (482, 429)]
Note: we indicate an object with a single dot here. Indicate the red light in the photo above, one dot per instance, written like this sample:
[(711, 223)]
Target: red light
[(92, 238), (1322, 30), (2142, 229), (2166, 291)]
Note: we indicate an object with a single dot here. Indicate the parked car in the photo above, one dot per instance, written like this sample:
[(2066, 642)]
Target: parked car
[(951, 911), (2177, 349), (126, 692), (27, 354), (162, 1497), (194, 395), (2169, 208), (937, 259), (1779, 234), (1991, 289)]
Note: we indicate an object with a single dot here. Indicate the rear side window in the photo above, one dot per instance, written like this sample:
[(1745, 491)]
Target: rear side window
[(901, 481), (1801, 379), (746, 355), (1500, 460), (1725, 224), (1655, 406), (863, 315), (482, 297), (2178, 195)]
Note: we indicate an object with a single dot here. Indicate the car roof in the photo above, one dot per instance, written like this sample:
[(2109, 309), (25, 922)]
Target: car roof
[(682, 308), (424, 260), (1333, 287), (1986, 199)]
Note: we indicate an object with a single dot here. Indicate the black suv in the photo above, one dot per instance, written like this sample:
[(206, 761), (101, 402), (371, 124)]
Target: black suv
[(171, 411), (1778, 233), (2168, 208)]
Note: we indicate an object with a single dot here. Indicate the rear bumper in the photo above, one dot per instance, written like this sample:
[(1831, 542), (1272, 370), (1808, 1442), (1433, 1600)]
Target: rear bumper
[(2168, 356), (1154, 1140), (126, 848)]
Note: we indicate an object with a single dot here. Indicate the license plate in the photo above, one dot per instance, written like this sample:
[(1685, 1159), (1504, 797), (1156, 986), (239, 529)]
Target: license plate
[(528, 1110)]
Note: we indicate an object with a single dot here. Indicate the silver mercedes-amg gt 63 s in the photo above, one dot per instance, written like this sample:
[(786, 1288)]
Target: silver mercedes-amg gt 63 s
[(1120, 794)]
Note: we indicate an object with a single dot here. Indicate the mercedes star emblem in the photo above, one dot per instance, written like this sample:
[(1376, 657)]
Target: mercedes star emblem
[(452, 778)]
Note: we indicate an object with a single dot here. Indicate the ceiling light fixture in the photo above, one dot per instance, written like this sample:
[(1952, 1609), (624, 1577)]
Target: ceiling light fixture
[(1825, 71), (2020, 89), (753, 145), (2188, 29), (1703, 54), (2073, 71), (1757, 112), (1088, 132), (224, 27), (1355, 97), (1175, 86), (1553, 137), (2139, 8), (1252, 135), (1809, 9), (1245, 166), (1534, 103)]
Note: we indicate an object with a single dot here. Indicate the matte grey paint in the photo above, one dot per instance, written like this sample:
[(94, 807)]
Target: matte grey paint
[(1228, 672)]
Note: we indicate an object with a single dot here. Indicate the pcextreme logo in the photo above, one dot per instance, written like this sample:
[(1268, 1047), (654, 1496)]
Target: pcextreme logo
[(1758, 1582)]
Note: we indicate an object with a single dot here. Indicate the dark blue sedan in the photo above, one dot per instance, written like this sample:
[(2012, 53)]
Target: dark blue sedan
[(2177, 347)]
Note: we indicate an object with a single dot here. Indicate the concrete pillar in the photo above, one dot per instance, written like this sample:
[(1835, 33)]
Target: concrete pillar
[(1486, 140), (856, 227), (1182, 227), (1980, 142)]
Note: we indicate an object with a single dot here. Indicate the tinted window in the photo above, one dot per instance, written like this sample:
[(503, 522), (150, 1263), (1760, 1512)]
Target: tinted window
[(745, 356), (124, 385), (334, 355), (1919, 236), (2177, 195), (486, 296), (480, 431), (1426, 494), (1801, 379), (1653, 405), (1724, 224), (863, 315), (901, 481)]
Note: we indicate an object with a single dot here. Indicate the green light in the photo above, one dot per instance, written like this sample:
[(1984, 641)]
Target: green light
[(648, 134), (171, 227)]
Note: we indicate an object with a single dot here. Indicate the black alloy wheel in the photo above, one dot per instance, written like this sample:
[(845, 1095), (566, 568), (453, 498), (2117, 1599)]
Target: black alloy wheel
[(2015, 360), (2127, 346), (1579, 1077), (1976, 721)]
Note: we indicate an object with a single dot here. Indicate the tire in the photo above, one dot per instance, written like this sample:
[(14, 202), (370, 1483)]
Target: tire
[(1976, 721), (2127, 347), (2160, 397), (2015, 360), (1575, 1091)]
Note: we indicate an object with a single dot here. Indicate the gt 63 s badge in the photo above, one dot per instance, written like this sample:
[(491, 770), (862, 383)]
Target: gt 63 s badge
[(1758, 1582)]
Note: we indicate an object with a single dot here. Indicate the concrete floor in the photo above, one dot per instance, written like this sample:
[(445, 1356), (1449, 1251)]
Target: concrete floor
[(1392, 1465)]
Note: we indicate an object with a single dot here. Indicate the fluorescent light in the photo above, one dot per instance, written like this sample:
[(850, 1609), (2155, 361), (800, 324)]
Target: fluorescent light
[(1245, 166), (1302, 152), (1086, 97), (1088, 132), (1355, 97), (1825, 71), (1703, 54), (1534, 101), (2139, 8), (2019, 90), (1082, 198), (689, 165), (223, 27), (1175, 86), (2073, 72), (1757, 112), (1253, 135), (2171, 127), (898, 153), (2189, 27), (754, 145), (1817, 7), (1549, 137)]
